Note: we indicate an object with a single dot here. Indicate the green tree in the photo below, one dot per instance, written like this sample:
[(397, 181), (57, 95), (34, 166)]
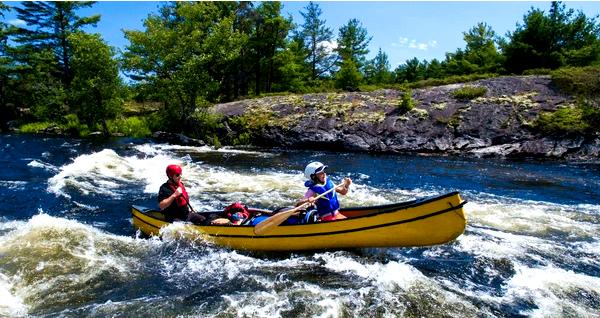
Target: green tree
[(481, 48), (237, 72), (411, 71), (268, 36), (49, 26), (315, 35), (377, 70), (348, 77), (292, 67), (353, 42), (553, 40), (96, 85), (43, 54), (7, 112), (181, 55), (457, 64), (434, 69)]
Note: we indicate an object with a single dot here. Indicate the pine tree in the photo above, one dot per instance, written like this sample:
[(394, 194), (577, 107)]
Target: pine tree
[(481, 48), (268, 36), (552, 40), (317, 39), (6, 112), (381, 67), (43, 52), (49, 26), (353, 42)]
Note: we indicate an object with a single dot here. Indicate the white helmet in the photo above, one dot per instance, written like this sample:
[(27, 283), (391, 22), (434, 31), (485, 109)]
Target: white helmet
[(312, 168)]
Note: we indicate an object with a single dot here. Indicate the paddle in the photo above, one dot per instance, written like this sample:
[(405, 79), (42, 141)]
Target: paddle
[(273, 221)]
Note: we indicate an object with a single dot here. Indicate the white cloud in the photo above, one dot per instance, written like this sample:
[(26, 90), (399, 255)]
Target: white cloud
[(413, 44), (401, 42), (328, 46), (17, 22)]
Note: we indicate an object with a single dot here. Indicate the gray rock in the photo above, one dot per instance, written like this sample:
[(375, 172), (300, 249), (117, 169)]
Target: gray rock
[(495, 125), (540, 148), (178, 139), (497, 150)]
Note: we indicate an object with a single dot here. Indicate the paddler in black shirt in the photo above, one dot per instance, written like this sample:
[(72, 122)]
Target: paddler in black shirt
[(173, 199)]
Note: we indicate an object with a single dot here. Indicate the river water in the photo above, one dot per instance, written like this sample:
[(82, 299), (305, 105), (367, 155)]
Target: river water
[(68, 248)]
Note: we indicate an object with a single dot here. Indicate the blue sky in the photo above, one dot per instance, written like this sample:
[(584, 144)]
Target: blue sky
[(403, 30)]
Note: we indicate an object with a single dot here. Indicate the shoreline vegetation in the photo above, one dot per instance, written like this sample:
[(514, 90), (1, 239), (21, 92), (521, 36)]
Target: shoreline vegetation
[(236, 73)]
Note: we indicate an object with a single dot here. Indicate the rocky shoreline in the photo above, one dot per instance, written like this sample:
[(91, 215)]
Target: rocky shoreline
[(498, 124)]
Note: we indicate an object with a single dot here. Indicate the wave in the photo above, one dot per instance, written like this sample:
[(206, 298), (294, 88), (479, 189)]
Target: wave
[(554, 290), (10, 304), (49, 262), (13, 185), (155, 149), (40, 164), (53, 265)]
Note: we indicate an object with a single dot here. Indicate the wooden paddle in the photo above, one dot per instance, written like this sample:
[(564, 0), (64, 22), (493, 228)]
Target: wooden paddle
[(273, 221)]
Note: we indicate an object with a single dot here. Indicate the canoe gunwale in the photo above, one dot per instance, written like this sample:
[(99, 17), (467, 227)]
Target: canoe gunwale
[(386, 208)]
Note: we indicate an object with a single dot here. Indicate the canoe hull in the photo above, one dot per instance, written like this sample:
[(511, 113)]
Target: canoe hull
[(423, 222)]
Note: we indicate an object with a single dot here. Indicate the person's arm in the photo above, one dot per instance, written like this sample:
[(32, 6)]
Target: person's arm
[(309, 197), (166, 202), (343, 188)]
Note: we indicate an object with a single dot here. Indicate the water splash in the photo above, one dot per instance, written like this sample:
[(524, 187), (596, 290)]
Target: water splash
[(53, 262)]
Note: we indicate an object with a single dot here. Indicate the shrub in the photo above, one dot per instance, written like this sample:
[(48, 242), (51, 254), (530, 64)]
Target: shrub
[(537, 71), (37, 127), (581, 118), (590, 114), (215, 141), (564, 121), (241, 135), (407, 103), (73, 127), (157, 121), (348, 77), (242, 139), (469, 92), (581, 81), (130, 126), (205, 125)]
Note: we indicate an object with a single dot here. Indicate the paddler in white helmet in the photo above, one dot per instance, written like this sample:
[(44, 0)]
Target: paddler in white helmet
[(318, 183)]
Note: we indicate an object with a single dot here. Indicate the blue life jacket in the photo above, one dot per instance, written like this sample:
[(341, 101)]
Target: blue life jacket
[(327, 204), (310, 216)]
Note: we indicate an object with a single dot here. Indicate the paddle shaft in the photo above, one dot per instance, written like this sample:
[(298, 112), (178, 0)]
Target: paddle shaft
[(275, 220)]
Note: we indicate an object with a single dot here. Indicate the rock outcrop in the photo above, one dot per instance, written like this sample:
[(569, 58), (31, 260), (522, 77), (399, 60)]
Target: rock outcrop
[(498, 124), (178, 139)]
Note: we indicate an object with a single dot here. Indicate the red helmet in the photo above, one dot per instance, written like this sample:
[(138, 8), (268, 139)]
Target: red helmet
[(173, 170)]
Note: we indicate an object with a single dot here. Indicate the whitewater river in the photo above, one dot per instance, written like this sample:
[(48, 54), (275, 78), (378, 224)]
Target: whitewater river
[(68, 248)]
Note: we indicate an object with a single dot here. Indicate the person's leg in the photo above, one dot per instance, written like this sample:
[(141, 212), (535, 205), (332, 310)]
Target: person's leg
[(335, 216), (339, 216), (196, 218)]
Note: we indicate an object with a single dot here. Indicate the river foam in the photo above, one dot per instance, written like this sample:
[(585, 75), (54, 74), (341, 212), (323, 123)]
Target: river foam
[(50, 262)]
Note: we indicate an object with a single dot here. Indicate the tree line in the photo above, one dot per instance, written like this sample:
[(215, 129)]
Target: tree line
[(192, 54)]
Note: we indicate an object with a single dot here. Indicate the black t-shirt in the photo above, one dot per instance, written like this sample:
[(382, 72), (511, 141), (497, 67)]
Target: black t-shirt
[(172, 211)]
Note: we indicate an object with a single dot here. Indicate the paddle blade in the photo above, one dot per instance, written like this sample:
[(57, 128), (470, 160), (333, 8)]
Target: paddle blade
[(273, 221)]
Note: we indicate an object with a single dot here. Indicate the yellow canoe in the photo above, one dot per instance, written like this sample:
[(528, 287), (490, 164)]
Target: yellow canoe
[(420, 222)]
